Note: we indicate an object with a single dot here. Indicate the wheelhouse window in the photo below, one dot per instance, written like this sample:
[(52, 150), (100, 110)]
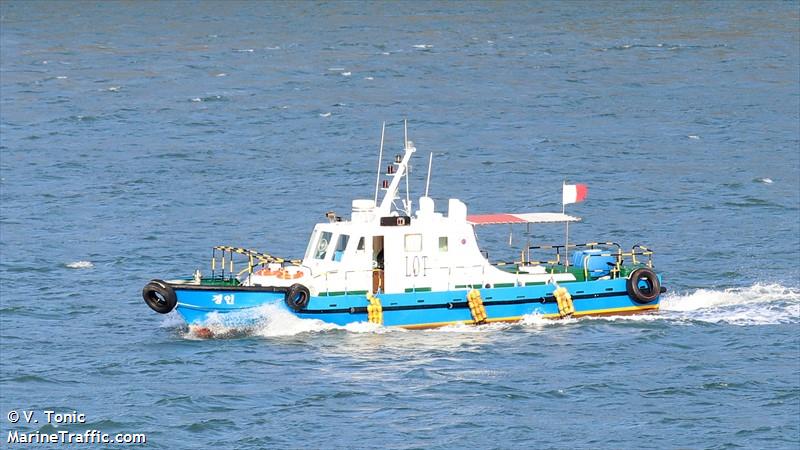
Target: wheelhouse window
[(321, 247), (413, 243), (443, 244), (312, 241), (341, 246)]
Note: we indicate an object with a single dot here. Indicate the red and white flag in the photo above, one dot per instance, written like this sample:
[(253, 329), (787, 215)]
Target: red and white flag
[(574, 193)]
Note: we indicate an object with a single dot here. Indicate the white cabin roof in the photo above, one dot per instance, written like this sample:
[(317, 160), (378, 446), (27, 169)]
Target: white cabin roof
[(503, 218)]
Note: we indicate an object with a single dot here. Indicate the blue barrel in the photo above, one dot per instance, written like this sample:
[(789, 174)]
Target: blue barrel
[(597, 265)]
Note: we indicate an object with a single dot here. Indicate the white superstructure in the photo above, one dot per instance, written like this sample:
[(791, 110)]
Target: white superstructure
[(386, 248)]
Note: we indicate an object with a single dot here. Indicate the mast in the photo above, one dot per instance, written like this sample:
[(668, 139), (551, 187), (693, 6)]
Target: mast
[(428, 179), (385, 207), (566, 229), (380, 160)]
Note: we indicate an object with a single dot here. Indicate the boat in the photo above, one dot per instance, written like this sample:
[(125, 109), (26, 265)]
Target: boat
[(394, 266)]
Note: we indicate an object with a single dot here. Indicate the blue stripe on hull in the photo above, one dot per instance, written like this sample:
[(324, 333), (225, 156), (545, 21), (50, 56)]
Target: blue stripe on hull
[(414, 308)]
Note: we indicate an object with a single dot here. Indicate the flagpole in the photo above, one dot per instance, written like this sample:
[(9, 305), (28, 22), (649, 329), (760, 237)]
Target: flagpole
[(566, 232)]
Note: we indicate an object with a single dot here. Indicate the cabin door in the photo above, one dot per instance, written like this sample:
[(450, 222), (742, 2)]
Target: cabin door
[(377, 264)]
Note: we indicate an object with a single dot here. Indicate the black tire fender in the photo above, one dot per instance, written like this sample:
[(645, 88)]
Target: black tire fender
[(297, 297), (160, 296), (647, 293)]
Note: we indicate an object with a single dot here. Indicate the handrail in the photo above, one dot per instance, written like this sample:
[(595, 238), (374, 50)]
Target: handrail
[(560, 246), (619, 255), (254, 259), (260, 256)]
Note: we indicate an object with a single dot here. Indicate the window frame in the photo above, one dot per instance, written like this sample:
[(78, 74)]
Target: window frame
[(412, 238)]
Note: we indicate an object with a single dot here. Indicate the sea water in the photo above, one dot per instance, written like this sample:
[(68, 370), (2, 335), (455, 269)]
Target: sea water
[(134, 136)]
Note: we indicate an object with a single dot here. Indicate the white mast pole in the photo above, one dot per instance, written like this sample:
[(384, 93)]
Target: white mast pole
[(407, 203), (405, 133), (391, 192), (428, 181), (408, 195), (380, 160), (566, 226)]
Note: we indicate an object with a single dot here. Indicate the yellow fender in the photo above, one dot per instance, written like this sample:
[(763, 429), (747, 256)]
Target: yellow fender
[(564, 300), (476, 307), (374, 309)]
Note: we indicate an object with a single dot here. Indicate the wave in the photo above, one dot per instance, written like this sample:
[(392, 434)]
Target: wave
[(271, 320), (759, 304), (79, 265)]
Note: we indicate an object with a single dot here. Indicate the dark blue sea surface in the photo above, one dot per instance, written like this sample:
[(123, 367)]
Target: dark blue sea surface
[(136, 135)]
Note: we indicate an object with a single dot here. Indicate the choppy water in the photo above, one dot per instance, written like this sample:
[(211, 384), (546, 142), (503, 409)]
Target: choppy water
[(136, 135)]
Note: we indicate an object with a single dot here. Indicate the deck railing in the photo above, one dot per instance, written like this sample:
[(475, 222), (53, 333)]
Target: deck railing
[(638, 255), (616, 252)]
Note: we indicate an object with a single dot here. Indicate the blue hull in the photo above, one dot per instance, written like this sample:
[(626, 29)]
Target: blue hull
[(236, 306)]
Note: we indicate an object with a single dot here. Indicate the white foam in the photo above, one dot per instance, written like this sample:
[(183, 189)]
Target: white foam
[(172, 320), (537, 321), (710, 298), (79, 265), (275, 320), (765, 180), (271, 320), (423, 46), (693, 136), (327, 114), (369, 78), (367, 327), (245, 50), (346, 74), (223, 74), (465, 328), (759, 304)]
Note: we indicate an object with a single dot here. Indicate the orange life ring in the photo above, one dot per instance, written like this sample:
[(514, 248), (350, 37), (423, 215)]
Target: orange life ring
[(286, 275)]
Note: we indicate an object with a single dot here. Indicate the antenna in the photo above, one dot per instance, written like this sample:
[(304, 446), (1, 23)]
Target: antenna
[(428, 181), (405, 133), (407, 203), (566, 227), (380, 159)]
